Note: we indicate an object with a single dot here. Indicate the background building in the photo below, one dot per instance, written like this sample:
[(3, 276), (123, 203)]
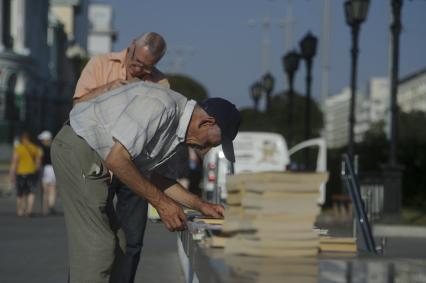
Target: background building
[(42, 51), (101, 34), (412, 92), (24, 56), (371, 107), (336, 109), (73, 14), (378, 99)]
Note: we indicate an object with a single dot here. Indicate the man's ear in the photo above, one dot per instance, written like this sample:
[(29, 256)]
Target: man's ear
[(207, 121)]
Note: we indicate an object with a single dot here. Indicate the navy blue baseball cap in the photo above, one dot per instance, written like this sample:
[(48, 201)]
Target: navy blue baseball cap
[(228, 118)]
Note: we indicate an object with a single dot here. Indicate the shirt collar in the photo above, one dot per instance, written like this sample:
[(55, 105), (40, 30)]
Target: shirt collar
[(184, 120), (118, 56)]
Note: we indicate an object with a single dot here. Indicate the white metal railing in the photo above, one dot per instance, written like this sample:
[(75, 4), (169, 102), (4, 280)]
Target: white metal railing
[(373, 196)]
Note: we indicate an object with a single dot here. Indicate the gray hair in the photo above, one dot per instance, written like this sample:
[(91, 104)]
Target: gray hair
[(154, 42)]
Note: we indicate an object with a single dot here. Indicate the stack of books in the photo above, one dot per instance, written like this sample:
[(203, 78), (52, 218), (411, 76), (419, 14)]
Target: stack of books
[(272, 214), (337, 245), (271, 270)]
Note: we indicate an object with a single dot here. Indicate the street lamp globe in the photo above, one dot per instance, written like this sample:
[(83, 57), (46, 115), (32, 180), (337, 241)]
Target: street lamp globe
[(290, 62), (256, 93), (268, 82), (356, 11), (308, 46)]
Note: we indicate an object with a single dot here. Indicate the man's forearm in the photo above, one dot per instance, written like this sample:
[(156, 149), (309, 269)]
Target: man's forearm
[(127, 172), (179, 194), (120, 163), (184, 197)]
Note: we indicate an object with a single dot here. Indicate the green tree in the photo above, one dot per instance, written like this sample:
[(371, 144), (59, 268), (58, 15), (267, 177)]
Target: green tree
[(276, 119), (373, 153), (187, 87)]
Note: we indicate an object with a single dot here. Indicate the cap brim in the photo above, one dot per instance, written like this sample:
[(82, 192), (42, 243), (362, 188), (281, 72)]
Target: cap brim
[(228, 149)]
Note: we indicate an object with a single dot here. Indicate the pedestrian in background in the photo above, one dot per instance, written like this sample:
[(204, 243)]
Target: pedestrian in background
[(48, 179), (25, 163)]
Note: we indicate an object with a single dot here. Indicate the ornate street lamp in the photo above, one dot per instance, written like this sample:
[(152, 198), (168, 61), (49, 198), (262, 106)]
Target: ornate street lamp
[(356, 13), (308, 48), (256, 94), (268, 82), (290, 63)]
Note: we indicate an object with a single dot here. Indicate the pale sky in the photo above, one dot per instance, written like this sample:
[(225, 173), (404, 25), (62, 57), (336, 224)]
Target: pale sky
[(222, 51)]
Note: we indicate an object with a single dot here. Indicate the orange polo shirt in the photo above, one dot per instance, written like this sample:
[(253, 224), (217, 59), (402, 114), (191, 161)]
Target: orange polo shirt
[(105, 68)]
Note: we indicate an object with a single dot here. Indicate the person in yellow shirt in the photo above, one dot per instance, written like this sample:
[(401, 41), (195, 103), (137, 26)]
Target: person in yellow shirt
[(26, 161)]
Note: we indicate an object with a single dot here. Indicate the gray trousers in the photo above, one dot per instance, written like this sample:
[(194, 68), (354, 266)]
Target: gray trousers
[(96, 244)]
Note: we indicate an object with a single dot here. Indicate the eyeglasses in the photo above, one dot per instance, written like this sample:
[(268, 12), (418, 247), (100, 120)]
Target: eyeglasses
[(137, 63)]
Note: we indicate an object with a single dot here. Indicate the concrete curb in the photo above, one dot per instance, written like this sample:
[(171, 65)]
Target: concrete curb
[(404, 231)]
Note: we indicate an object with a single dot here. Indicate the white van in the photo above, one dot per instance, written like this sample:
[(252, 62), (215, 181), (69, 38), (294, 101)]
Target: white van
[(254, 152)]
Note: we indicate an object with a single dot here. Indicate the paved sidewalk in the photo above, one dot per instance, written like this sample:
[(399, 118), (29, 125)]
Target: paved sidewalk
[(34, 250)]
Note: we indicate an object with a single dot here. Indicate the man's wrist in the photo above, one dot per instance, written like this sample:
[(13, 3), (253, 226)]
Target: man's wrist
[(160, 200), (200, 203)]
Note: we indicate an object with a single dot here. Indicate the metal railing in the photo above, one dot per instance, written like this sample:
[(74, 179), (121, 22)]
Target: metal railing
[(373, 196), (352, 184)]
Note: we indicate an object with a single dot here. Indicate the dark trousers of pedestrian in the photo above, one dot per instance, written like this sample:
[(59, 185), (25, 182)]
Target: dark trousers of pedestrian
[(132, 212)]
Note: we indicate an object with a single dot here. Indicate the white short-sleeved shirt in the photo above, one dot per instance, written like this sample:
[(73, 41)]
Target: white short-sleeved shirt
[(148, 119)]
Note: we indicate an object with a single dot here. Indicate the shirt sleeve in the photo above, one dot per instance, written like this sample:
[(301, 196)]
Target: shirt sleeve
[(138, 124), (177, 166), (88, 78), (162, 182)]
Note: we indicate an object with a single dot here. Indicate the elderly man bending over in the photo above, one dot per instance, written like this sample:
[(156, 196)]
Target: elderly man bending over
[(132, 131)]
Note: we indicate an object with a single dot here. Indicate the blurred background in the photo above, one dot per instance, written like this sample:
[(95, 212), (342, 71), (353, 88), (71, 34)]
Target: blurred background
[(350, 75), (237, 50), (303, 69)]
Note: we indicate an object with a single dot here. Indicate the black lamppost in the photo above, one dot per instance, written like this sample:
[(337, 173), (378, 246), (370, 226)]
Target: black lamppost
[(268, 85), (290, 63), (392, 172), (308, 48), (256, 93), (356, 13), (395, 31)]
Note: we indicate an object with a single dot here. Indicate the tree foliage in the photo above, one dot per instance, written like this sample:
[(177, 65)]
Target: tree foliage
[(373, 153), (187, 87), (276, 119)]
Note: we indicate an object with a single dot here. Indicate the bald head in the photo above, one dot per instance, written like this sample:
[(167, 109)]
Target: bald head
[(143, 54), (153, 42)]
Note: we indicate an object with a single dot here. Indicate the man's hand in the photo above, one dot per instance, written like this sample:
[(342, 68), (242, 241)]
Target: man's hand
[(182, 196), (171, 214), (214, 210)]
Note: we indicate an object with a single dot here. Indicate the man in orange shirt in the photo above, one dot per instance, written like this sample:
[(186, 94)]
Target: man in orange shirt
[(107, 71), (103, 73)]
